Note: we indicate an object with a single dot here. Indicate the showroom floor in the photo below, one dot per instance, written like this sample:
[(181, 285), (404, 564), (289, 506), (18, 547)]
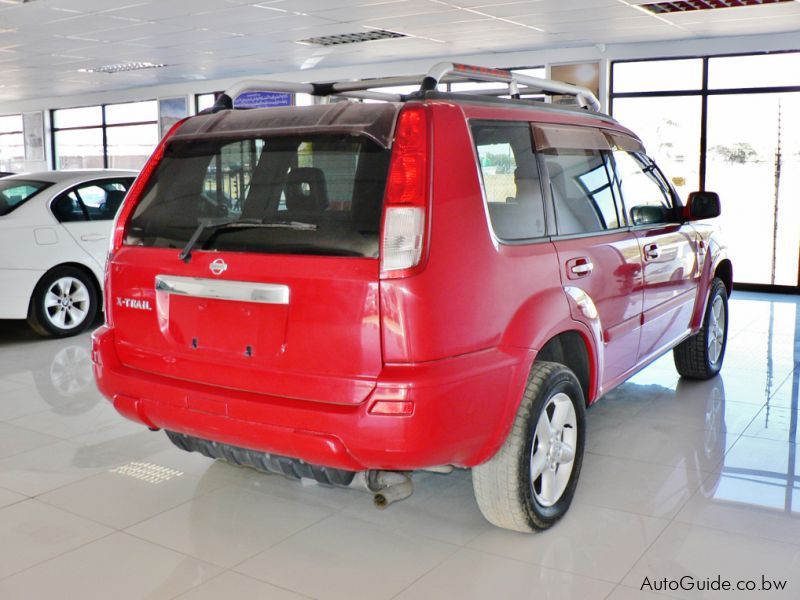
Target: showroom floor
[(679, 479)]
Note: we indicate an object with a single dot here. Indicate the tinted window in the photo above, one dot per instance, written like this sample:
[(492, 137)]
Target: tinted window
[(13, 193), (578, 169), (318, 194), (645, 194), (93, 201), (510, 179), (581, 190)]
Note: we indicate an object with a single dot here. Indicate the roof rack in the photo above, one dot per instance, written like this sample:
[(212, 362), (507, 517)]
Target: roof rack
[(443, 72)]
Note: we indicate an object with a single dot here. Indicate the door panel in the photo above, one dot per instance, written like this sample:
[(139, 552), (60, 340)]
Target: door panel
[(668, 250), (671, 276), (614, 283)]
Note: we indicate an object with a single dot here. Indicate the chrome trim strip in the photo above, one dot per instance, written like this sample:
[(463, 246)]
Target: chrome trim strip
[(237, 291)]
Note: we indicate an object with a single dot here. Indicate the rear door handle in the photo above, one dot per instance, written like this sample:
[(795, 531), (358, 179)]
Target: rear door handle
[(579, 267), (652, 251), (93, 237)]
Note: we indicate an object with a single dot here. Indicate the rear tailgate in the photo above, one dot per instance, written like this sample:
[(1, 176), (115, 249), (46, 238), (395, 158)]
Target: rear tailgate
[(316, 338), (279, 295)]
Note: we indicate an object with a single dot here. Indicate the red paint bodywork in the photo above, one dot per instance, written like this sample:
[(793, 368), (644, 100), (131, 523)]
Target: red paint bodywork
[(456, 337)]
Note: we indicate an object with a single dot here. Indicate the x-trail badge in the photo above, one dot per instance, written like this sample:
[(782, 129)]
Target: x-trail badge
[(218, 267)]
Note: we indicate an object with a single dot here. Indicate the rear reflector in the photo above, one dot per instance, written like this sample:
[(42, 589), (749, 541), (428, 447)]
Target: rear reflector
[(391, 401), (391, 407)]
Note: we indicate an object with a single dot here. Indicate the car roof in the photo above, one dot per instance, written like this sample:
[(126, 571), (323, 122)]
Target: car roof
[(67, 175)]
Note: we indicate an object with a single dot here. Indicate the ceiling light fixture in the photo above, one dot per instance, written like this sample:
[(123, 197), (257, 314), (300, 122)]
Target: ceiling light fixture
[(357, 37), (692, 5), (123, 67)]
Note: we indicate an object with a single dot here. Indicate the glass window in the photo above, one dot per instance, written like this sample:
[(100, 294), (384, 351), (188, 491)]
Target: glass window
[(131, 134), (318, 194), (576, 161), (510, 179), (645, 194), (79, 148), (131, 112), (15, 192), (754, 165), (658, 75), (12, 152), (204, 101), (129, 146), (12, 144), (11, 124), (94, 201), (670, 130), (760, 70), (78, 117), (581, 190)]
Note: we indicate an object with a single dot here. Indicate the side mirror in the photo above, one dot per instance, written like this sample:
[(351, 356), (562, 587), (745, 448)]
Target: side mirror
[(647, 214), (702, 205)]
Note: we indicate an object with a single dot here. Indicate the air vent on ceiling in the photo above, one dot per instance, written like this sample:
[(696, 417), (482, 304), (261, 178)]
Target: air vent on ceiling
[(352, 38), (123, 67), (678, 6)]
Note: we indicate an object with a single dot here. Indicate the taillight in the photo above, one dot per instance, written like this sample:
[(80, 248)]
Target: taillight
[(407, 193), (137, 189)]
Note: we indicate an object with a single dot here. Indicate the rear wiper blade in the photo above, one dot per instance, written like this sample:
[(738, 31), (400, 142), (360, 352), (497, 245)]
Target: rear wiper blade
[(216, 225)]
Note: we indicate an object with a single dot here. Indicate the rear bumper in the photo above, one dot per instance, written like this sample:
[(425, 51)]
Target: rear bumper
[(462, 410)]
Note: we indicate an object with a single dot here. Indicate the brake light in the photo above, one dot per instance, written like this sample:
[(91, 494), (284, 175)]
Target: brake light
[(136, 190), (407, 193)]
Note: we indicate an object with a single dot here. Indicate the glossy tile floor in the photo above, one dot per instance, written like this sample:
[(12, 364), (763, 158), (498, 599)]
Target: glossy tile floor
[(679, 478)]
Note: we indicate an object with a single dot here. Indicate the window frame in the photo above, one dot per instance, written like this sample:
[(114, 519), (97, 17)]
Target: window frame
[(73, 188), (104, 126), (45, 185), (550, 205), (671, 195), (547, 217), (16, 132), (704, 93)]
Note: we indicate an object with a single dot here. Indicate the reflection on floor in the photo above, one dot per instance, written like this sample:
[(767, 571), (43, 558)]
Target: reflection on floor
[(680, 479)]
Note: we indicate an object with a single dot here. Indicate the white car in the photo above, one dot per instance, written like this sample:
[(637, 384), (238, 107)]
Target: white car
[(54, 235)]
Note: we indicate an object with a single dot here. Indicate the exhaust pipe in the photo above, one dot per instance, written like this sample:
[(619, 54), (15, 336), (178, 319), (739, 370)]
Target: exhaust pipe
[(393, 493), (386, 487)]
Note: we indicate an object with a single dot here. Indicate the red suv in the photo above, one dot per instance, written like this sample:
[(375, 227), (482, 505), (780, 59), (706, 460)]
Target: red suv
[(353, 291)]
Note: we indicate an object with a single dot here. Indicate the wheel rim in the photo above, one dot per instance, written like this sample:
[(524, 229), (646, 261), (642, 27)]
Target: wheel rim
[(66, 304), (716, 330), (553, 449)]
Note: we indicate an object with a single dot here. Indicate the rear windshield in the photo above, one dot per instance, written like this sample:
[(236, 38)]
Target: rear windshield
[(15, 192), (320, 194)]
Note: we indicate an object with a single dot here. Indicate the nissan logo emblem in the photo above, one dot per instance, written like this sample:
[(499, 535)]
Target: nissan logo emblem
[(218, 267)]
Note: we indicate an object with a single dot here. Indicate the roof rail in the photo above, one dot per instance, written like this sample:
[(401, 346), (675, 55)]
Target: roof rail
[(443, 72)]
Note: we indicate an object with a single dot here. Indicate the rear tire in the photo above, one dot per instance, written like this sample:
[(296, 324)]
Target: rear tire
[(701, 356), (64, 303), (529, 484)]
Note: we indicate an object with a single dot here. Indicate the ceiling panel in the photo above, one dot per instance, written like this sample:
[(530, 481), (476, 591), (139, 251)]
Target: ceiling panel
[(44, 43)]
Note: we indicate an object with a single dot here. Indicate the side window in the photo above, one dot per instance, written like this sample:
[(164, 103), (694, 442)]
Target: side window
[(93, 201), (578, 171), (67, 208), (511, 179), (646, 195)]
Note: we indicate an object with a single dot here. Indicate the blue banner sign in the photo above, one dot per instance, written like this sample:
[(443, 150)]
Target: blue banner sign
[(262, 100)]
